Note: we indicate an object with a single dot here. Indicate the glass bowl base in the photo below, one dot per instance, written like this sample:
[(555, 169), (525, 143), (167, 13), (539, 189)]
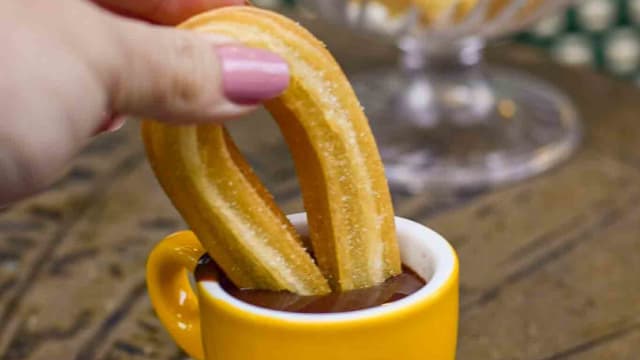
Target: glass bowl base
[(436, 134)]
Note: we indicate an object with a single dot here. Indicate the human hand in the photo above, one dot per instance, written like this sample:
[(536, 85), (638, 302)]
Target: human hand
[(67, 65)]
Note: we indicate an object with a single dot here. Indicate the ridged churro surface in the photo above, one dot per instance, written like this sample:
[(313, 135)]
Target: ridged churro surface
[(344, 189)]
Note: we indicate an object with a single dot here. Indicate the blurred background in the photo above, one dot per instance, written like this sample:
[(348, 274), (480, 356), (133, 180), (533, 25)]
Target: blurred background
[(444, 118), (603, 34)]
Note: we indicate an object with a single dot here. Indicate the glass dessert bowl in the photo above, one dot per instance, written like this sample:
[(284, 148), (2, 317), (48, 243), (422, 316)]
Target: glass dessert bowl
[(443, 118)]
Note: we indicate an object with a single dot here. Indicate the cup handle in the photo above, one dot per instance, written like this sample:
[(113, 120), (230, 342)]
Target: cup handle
[(172, 296)]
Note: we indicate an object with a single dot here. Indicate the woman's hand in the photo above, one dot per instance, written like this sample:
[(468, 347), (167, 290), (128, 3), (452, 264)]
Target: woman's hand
[(67, 66)]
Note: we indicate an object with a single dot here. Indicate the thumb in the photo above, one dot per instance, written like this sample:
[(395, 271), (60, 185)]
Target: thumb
[(185, 77)]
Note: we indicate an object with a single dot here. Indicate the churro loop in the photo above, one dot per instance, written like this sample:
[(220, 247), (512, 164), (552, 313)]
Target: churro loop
[(341, 175)]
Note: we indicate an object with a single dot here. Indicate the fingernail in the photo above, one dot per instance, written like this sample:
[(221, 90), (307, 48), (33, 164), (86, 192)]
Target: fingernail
[(111, 123), (250, 75)]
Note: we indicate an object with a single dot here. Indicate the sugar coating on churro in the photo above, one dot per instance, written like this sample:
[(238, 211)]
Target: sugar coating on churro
[(351, 220)]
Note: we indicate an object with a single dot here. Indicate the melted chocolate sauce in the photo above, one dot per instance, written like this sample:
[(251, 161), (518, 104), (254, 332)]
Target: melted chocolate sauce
[(392, 290)]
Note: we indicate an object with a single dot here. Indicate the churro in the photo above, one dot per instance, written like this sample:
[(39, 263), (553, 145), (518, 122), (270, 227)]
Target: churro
[(344, 189)]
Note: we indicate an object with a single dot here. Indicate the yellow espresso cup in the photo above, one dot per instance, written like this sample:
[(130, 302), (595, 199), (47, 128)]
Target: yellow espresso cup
[(213, 325)]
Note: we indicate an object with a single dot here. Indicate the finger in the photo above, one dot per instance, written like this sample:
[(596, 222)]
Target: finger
[(66, 73), (168, 12), (185, 77)]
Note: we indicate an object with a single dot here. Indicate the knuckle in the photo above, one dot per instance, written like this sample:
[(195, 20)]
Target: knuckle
[(191, 60), (163, 72)]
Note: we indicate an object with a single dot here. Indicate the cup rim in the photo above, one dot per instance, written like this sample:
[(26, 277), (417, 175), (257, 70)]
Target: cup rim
[(444, 269)]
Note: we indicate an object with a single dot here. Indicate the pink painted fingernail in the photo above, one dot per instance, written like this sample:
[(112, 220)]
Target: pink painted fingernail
[(250, 75)]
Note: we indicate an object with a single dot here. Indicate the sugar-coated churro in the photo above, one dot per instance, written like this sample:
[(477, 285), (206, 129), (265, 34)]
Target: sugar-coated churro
[(345, 193)]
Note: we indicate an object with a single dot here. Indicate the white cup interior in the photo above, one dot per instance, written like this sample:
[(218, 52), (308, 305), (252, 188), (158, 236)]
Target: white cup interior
[(423, 250)]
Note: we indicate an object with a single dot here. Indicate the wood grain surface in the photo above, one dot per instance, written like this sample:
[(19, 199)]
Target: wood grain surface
[(550, 266)]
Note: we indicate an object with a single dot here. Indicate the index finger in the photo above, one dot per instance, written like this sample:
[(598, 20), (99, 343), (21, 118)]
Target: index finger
[(167, 12)]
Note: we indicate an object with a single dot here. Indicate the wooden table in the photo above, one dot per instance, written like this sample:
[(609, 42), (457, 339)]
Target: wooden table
[(550, 266)]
